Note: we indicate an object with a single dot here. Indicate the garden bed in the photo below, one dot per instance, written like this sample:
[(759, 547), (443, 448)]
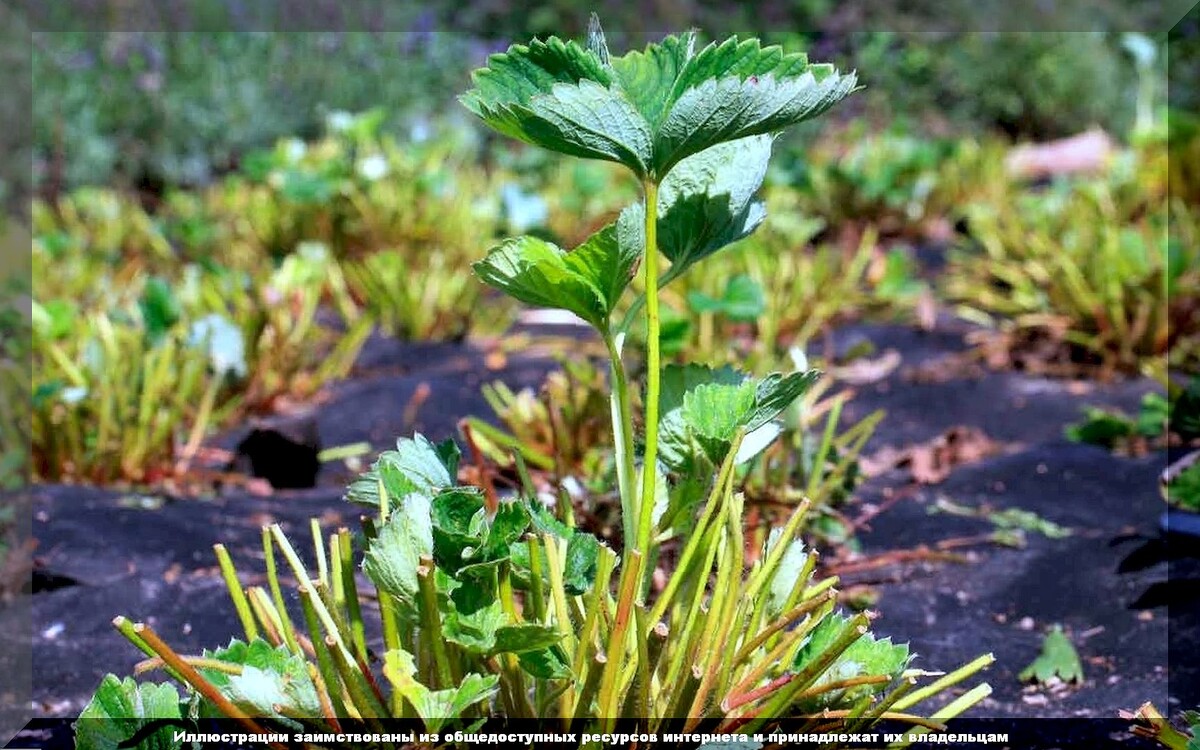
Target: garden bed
[(104, 552)]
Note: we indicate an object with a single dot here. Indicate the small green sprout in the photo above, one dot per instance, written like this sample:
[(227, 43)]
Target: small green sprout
[(1058, 660)]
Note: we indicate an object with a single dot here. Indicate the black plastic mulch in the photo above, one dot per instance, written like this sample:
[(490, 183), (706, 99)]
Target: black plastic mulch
[(104, 555)]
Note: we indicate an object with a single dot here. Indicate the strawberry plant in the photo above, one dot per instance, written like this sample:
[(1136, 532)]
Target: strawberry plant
[(1096, 267), (563, 428), (891, 180), (497, 605), (111, 398)]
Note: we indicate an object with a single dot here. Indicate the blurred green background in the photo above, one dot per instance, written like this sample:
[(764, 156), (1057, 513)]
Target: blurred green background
[(180, 105), (222, 215)]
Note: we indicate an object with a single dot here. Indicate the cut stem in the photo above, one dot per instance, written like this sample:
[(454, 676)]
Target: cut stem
[(236, 592)]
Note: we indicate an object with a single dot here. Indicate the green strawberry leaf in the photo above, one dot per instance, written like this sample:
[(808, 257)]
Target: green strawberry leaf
[(722, 109), (416, 466), (559, 95), (776, 392), (546, 664), (1101, 427), (648, 76), (1184, 489), (678, 380), (118, 709), (509, 525), (587, 281), (648, 110), (579, 570), (459, 526), (476, 631), (436, 708), (703, 408), (477, 587), (714, 412), (159, 307), (271, 678), (705, 203), (449, 454), (1058, 659), (55, 320), (519, 639), (392, 559), (1193, 722), (866, 656), (683, 498), (678, 449)]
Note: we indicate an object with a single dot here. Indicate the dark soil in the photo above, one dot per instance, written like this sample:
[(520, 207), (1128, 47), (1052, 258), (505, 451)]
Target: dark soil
[(108, 554)]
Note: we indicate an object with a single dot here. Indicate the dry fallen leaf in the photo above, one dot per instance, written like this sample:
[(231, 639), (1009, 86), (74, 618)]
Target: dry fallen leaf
[(863, 371), (960, 366), (259, 487), (496, 360), (932, 461), (926, 311)]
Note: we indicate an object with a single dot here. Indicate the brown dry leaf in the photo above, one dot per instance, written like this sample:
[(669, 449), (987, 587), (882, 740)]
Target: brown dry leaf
[(926, 464), (1040, 350), (496, 360), (932, 461), (883, 460), (259, 487), (864, 371), (996, 349), (961, 366), (171, 575), (419, 396), (1079, 387), (926, 311), (214, 456)]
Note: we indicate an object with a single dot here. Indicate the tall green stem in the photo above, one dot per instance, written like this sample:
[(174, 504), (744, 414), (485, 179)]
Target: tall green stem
[(636, 546), (653, 369)]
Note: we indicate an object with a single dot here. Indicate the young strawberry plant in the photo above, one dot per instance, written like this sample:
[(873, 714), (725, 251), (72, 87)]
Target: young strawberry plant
[(563, 428), (501, 606), (278, 338), (890, 180), (112, 399), (1094, 268)]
